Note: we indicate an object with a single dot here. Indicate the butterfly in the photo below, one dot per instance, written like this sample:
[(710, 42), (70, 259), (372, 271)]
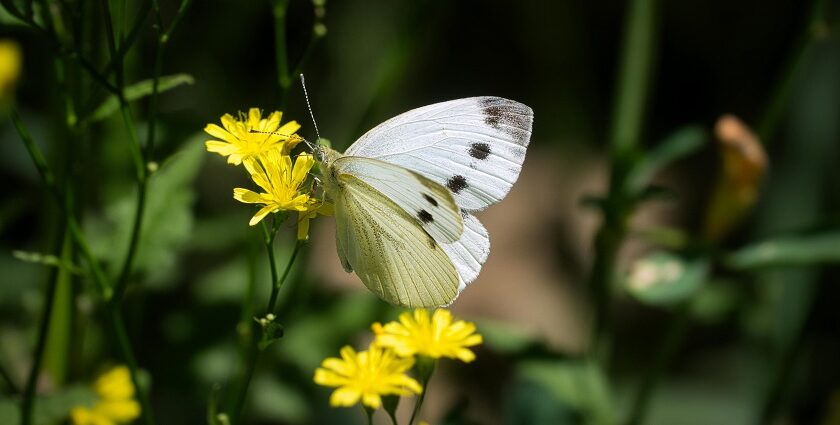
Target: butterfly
[(404, 195)]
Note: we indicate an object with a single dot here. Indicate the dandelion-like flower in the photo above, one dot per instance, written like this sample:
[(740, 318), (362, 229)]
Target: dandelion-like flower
[(282, 182), (435, 337), (252, 135), (366, 376), (116, 404)]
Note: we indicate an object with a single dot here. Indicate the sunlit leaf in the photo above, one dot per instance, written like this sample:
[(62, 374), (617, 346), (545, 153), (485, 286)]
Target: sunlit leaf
[(137, 91), (663, 278), (167, 222)]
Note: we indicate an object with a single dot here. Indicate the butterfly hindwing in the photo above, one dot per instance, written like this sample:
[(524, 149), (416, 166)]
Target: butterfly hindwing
[(469, 252), (389, 251), (429, 203), (473, 146)]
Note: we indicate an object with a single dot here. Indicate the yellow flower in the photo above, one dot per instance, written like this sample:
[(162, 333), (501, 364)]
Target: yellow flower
[(274, 173), (116, 404), (240, 142), (366, 376), (304, 217), (10, 59), (436, 337)]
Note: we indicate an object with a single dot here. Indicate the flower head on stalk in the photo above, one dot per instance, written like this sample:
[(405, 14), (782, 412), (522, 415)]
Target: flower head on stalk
[(366, 376), (418, 334), (283, 185), (251, 135)]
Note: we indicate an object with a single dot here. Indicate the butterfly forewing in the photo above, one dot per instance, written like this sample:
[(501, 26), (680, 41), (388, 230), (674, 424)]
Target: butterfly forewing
[(430, 204), (474, 146), (394, 256)]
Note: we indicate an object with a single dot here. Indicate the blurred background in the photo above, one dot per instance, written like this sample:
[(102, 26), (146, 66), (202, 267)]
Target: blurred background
[(631, 171)]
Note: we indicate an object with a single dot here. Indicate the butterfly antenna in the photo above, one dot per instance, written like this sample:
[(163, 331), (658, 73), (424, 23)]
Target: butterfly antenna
[(311, 115)]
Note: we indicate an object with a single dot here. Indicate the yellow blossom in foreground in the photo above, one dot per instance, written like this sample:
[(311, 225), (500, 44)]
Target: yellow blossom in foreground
[(273, 172), (366, 376), (251, 135), (116, 404), (433, 337)]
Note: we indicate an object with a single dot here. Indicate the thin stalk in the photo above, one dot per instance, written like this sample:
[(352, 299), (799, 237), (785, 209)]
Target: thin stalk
[(13, 388), (637, 57), (425, 368), (674, 338), (98, 275), (784, 86), (279, 283), (279, 9), (27, 404), (118, 325), (254, 356)]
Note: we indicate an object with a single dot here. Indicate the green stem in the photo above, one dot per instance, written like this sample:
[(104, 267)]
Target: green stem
[(27, 404), (674, 338), (279, 9), (779, 99), (277, 283), (13, 388), (118, 325), (96, 271), (425, 367), (637, 58)]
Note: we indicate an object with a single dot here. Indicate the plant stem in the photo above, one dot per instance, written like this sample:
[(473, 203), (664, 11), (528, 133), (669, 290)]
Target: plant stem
[(13, 388), (279, 9), (43, 329), (254, 355), (781, 94), (674, 337), (118, 325), (637, 59), (425, 367), (96, 271)]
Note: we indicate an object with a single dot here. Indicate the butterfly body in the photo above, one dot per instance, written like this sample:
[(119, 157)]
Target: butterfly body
[(404, 194)]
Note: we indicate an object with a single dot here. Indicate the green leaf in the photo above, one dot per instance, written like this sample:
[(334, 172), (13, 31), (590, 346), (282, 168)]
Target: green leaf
[(49, 409), (663, 278), (278, 402), (137, 91), (676, 146), (167, 221), (578, 384), (504, 338), (796, 250)]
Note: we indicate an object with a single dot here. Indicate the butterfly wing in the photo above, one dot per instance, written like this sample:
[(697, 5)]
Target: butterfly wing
[(473, 146), (469, 252), (431, 205), (390, 252)]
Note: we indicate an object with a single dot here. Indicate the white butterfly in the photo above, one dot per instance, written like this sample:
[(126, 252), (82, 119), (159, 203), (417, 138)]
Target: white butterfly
[(405, 192)]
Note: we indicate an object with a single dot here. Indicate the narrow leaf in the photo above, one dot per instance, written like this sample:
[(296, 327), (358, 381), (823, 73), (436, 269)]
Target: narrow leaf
[(801, 250), (136, 91)]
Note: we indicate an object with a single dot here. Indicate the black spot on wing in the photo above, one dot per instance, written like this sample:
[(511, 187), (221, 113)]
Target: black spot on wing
[(430, 199), (507, 116), (425, 217), (479, 150), (457, 183)]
